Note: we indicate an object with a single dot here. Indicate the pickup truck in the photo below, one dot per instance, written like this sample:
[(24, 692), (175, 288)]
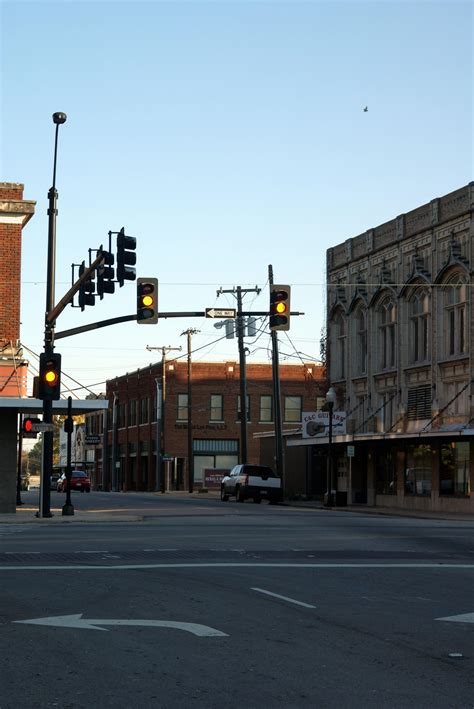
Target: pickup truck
[(258, 482)]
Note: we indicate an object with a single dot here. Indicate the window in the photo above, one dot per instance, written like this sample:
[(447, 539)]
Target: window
[(121, 409), (386, 472), (418, 470), (339, 344), (144, 411), (387, 320), (132, 413), (455, 317), (292, 409), (217, 413), (387, 411), (419, 403), (248, 408), (456, 398), (266, 409), (419, 320), (182, 414), (361, 341), (454, 469)]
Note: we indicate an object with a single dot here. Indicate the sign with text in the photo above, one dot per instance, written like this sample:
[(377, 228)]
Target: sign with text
[(315, 424)]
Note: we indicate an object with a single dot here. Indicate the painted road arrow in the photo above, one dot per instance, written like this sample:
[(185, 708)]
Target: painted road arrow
[(463, 618), (220, 313), (77, 621)]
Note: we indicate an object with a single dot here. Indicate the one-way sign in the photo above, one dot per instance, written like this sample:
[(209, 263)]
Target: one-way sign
[(220, 313), (42, 427)]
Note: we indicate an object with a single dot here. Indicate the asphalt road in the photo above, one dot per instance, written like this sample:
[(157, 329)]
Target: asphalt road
[(211, 604)]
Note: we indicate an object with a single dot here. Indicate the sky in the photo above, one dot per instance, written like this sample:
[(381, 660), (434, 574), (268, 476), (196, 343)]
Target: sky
[(224, 136)]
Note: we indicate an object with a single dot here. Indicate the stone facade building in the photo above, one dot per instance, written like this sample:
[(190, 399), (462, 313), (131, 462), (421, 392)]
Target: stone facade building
[(400, 326)]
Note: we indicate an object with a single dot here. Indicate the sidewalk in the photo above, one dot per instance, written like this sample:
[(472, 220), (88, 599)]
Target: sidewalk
[(26, 513)]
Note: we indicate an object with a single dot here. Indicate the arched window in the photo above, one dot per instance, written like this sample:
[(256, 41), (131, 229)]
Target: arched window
[(419, 326), (387, 315), (360, 320), (338, 358), (455, 316)]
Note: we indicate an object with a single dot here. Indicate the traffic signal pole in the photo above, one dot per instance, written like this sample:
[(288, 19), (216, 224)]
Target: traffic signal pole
[(279, 452), (47, 468)]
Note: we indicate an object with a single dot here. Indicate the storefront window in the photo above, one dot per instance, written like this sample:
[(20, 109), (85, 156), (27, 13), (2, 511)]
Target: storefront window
[(386, 473), (418, 470), (454, 469)]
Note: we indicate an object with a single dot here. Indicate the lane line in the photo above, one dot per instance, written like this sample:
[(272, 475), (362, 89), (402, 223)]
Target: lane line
[(205, 565), (283, 598)]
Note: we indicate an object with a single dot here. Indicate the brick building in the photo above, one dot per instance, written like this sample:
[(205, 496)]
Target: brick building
[(15, 212), (129, 448)]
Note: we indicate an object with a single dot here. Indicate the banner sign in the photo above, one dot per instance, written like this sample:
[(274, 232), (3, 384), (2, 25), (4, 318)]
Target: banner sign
[(315, 424)]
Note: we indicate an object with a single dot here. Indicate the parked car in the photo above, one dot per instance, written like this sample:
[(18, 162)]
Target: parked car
[(252, 481), (79, 481)]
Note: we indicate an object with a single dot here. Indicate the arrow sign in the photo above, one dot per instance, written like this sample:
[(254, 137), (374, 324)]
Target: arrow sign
[(216, 313), (463, 618), (41, 427), (77, 621)]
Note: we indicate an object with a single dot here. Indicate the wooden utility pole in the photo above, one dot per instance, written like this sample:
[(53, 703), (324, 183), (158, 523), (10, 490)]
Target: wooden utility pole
[(160, 484), (190, 332)]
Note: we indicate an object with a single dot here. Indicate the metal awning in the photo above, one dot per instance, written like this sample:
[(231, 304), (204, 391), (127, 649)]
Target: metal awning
[(35, 406), (352, 439)]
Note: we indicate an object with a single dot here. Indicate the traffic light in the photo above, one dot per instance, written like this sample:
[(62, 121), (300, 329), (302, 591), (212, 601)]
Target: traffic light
[(49, 376), (87, 288), (147, 301), (28, 427), (126, 257), (280, 307), (106, 275)]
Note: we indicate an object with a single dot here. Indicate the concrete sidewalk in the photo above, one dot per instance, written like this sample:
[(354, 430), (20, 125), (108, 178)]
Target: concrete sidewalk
[(26, 513)]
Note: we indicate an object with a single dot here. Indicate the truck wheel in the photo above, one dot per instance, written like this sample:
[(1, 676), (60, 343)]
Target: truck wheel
[(224, 497)]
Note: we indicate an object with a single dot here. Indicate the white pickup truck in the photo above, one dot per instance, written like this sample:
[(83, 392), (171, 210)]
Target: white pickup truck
[(258, 482)]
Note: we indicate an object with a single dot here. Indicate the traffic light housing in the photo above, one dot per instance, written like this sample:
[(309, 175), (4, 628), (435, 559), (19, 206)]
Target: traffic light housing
[(147, 301), (126, 257), (106, 275), (87, 288), (27, 427), (49, 376), (280, 307)]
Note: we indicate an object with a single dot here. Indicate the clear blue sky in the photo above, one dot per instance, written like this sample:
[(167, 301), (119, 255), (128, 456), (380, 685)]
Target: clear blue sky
[(224, 136)]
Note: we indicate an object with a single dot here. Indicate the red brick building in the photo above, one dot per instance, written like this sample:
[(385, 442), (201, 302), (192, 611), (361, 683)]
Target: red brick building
[(15, 212), (129, 448)]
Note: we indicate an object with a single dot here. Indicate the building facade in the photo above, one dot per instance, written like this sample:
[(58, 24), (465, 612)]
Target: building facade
[(126, 457), (400, 327)]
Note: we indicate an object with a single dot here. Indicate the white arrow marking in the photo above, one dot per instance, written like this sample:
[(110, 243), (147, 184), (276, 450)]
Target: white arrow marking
[(463, 618), (77, 621), (283, 598)]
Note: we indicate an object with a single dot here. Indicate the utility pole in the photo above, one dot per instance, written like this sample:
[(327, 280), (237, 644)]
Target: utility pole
[(160, 417), (190, 332), (279, 452), (237, 292)]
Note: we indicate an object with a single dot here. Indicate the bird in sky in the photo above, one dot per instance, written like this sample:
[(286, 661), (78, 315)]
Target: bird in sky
[(366, 108)]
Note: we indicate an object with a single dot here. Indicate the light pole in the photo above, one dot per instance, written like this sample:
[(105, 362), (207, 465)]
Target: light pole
[(45, 497), (329, 498)]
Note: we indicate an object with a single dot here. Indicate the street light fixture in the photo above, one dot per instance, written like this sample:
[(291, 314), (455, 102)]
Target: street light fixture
[(329, 498)]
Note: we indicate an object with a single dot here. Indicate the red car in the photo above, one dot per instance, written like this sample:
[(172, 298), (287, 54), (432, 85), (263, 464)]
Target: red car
[(79, 481)]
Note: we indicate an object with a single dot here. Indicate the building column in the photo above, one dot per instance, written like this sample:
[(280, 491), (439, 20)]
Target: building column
[(8, 460)]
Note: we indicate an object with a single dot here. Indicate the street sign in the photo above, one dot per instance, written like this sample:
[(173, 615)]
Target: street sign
[(220, 313), (92, 440), (350, 451), (42, 427)]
